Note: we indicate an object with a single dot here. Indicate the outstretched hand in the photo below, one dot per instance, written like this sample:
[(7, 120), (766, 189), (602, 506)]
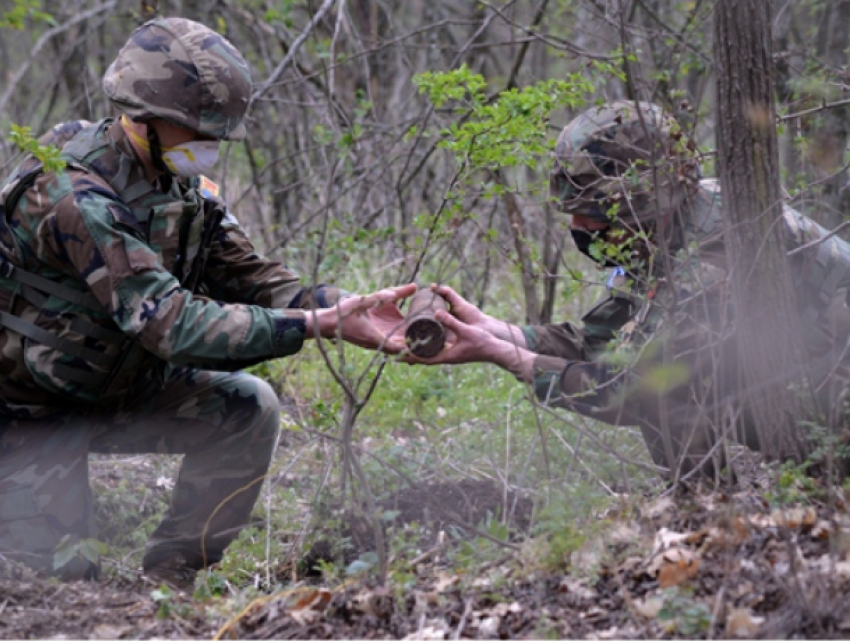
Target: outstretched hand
[(461, 308), (468, 313), (373, 321), (465, 343)]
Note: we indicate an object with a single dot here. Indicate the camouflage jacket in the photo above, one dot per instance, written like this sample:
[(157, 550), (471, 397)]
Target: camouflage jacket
[(145, 276), (596, 367)]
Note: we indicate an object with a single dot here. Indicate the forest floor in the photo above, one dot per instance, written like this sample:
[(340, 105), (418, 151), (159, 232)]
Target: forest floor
[(700, 565)]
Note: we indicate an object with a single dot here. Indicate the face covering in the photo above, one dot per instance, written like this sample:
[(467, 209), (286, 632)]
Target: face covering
[(583, 240), (191, 158), (637, 255)]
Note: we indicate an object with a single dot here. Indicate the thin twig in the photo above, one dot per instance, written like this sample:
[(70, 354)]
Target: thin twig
[(814, 110), (293, 50), (467, 608), (46, 37), (818, 241)]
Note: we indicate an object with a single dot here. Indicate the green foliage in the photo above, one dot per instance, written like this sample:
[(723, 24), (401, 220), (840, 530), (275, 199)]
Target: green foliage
[(362, 565), (164, 598), (569, 521), (682, 615), (252, 557), (501, 143), (168, 604), (209, 585), (282, 13), (71, 549), (471, 553), (791, 484), (829, 446), (49, 155), (506, 132), (23, 13), (127, 512)]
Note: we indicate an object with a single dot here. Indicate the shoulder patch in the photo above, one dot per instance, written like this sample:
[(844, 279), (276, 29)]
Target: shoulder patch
[(207, 188)]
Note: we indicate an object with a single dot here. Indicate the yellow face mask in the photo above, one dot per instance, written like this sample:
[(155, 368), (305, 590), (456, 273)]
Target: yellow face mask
[(192, 158)]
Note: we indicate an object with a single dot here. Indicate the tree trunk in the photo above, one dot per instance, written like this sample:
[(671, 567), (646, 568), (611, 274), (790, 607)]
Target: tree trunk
[(766, 319)]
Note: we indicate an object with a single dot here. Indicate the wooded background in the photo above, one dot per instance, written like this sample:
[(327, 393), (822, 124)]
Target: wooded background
[(392, 141), (344, 159)]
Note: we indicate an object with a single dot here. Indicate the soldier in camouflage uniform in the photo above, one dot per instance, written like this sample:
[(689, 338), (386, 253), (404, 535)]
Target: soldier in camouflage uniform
[(130, 298), (629, 179)]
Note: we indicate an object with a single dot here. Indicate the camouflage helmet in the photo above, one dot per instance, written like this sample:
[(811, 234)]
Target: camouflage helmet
[(604, 162), (185, 73)]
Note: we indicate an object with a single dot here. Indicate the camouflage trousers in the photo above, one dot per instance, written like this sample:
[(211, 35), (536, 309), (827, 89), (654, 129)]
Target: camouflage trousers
[(225, 424)]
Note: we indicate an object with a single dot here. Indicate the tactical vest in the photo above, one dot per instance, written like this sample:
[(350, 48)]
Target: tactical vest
[(179, 226)]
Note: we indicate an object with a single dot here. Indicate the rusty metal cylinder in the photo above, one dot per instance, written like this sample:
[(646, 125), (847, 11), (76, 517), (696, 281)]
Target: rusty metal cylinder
[(424, 335)]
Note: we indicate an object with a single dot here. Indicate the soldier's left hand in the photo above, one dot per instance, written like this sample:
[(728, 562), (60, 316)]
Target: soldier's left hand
[(465, 343)]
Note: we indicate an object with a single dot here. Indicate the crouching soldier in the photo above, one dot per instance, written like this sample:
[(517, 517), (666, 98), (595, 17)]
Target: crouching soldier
[(130, 298)]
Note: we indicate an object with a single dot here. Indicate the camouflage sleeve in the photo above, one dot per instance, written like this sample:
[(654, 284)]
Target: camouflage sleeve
[(597, 390), (564, 340), (97, 237), (235, 272)]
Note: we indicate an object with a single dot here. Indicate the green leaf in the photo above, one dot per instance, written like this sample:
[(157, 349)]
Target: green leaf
[(663, 378), (65, 552)]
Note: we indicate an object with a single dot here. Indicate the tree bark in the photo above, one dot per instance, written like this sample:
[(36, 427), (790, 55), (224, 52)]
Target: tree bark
[(766, 319)]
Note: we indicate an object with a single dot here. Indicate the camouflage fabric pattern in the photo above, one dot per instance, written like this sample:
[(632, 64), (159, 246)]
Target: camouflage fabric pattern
[(184, 73), (101, 228), (684, 324), (608, 159), (225, 424), (168, 286)]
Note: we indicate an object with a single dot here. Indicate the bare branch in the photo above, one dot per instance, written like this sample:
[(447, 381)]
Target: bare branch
[(46, 37)]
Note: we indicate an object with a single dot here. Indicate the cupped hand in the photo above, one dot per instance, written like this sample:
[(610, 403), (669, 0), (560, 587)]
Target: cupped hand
[(461, 308), (469, 344), (373, 321), (465, 343)]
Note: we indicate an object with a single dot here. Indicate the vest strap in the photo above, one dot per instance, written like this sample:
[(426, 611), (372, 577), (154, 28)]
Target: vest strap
[(83, 299), (36, 333)]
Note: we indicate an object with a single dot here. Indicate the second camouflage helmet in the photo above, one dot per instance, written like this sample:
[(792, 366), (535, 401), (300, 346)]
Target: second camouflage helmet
[(617, 165), (185, 73)]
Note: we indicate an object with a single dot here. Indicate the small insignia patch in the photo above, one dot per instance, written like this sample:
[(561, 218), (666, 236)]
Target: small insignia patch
[(208, 188)]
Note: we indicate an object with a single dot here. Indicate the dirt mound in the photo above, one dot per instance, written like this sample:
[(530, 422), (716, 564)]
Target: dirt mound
[(465, 504), (452, 509)]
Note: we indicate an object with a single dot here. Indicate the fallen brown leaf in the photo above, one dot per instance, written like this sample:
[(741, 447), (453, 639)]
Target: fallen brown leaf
[(795, 517), (821, 530), (314, 599), (673, 574), (742, 530), (682, 556), (578, 587), (741, 623)]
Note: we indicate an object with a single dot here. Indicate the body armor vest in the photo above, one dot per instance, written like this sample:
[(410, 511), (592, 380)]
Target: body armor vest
[(95, 359)]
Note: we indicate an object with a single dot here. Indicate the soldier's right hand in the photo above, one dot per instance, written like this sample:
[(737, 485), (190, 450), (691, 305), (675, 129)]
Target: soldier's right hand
[(372, 321)]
